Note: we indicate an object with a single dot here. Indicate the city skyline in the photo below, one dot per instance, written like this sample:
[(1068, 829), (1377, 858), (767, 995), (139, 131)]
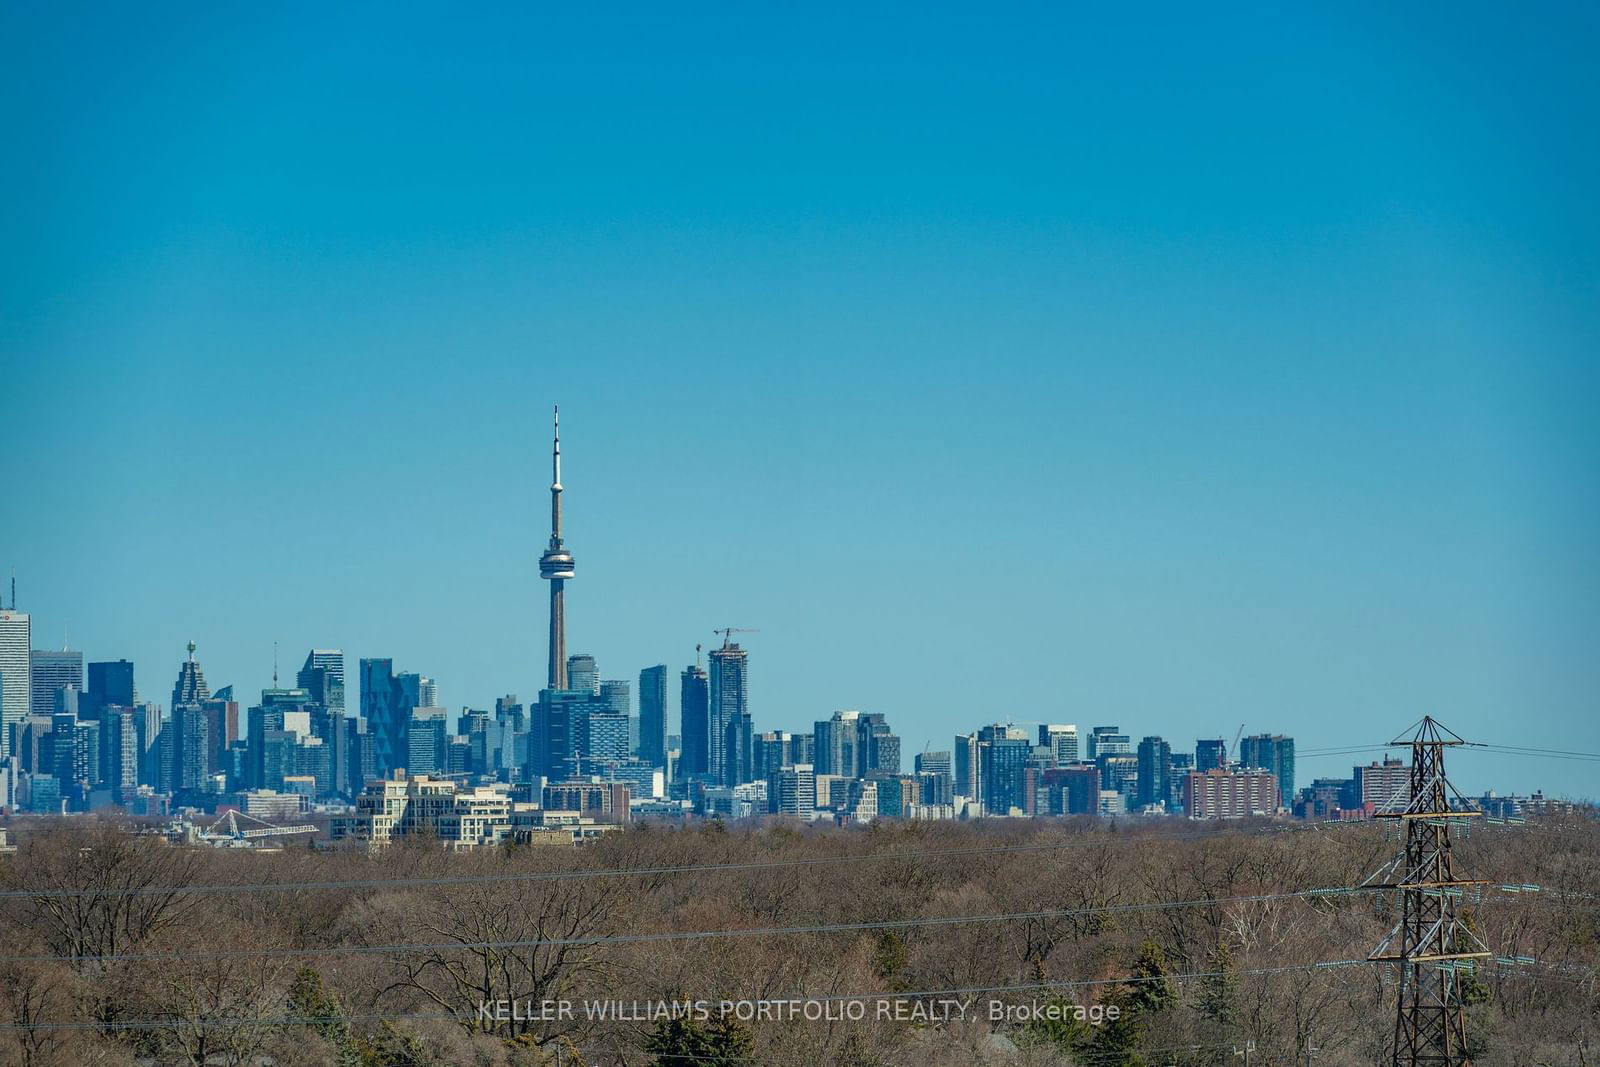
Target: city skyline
[(729, 724), (990, 376)]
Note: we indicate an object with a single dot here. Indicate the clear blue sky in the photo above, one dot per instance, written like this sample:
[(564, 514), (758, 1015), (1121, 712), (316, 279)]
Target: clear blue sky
[(1174, 368)]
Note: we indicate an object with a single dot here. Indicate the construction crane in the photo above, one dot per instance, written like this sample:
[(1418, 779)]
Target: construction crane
[(1235, 749), (236, 834), (727, 631)]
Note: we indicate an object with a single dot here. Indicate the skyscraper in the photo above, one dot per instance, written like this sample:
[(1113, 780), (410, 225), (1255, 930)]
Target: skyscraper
[(560, 726), (387, 708), (730, 666), (555, 567), (695, 710), (16, 646), (1210, 754), (1274, 753), (617, 695), (738, 752), (653, 715), (582, 673), (190, 688), (1155, 771), (49, 671), (190, 737), (1108, 741), (110, 685), (323, 677), (1062, 740)]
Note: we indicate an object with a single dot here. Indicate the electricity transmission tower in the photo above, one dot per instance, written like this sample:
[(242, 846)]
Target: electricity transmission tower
[(1432, 946)]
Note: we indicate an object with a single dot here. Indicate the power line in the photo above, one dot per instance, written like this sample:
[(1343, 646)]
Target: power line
[(685, 935), (1087, 841)]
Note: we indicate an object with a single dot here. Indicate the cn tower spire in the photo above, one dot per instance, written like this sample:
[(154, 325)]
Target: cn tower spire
[(555, 482), (555, 567)]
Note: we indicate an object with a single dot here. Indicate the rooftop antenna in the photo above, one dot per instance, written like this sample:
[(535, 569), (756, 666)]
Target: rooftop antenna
[(696, 657), (13, 589), (274, 664)]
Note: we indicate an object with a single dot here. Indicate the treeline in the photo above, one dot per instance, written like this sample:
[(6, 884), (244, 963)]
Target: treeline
[(1203, 938)]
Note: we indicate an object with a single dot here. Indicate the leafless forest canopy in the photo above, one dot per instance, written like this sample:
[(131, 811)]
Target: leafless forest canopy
[(112, 957)]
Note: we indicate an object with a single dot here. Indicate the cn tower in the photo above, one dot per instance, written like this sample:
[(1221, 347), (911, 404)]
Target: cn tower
[(555, 567)]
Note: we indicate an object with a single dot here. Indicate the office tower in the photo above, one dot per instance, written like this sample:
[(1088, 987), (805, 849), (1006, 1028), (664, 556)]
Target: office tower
[(508, 711), (560, 728), (695, 709), (1273, 753), (1108, 741), (189, 746), (110, 683), (363, 756), (841, 743), (336, 735), (190, 687), (617, 695), (653, 715), (474, 727), (935, 773), (192, 746), (426, 738), (793, 791), (730, 666), (147, 727), (1002, 760), (72, 753), (49, 671), (323, 677), (878, 750), (222, 727), (1181, 764), (119, 763), (555, 567), (16, 644), (771, 751), (583, 675), (1119, 772), (1210, 755), (603, 736), (964, 765), (266, 729), (1062, 740), (416, 690), (738, 751), (1154, 770), (386, 703)]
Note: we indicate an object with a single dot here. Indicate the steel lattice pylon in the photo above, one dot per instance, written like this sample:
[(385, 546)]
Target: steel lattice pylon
[(1430, 943)]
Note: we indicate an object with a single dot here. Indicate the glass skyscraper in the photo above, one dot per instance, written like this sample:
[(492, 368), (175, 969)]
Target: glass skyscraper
[(16, 697), (653, 715), (730, 697), (323, 677), (695, 709), (1273, 753), (50, 671)]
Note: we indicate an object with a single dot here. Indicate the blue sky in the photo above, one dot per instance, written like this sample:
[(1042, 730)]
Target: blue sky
[(1173, 367)]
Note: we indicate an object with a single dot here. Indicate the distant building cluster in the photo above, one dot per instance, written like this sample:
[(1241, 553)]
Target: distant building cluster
[(581, 757)]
